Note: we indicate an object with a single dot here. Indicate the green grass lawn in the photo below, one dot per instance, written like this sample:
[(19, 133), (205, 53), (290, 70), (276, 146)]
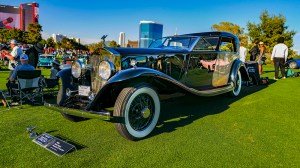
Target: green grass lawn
[(261, 128)]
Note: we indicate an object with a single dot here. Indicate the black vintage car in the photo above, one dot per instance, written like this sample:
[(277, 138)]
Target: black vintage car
[(131, 80)]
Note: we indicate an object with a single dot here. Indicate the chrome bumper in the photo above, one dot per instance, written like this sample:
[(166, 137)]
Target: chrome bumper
[(103, 115)]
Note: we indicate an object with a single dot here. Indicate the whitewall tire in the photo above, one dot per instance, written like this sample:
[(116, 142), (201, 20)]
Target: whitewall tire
[(139, 108)]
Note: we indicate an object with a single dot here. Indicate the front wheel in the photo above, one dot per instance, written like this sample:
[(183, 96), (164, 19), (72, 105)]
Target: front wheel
[(140, 109), (238, 85)]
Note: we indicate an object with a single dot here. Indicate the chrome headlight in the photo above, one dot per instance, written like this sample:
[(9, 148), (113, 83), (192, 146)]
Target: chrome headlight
[(106, 69), (76, 69)]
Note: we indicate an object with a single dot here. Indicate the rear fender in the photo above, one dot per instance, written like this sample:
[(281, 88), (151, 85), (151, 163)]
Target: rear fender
[(238, 65)]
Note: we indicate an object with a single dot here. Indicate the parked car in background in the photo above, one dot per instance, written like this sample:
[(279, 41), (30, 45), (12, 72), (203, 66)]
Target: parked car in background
[(131, 80), (83, 58), (293, 63), (45, 60)]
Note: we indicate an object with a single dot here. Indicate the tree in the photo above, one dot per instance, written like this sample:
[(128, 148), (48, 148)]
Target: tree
[(95, 48), (232, 28), (270, 28), (50, 42), (34, 33), (8, 34), (228, 27), (113, 44)]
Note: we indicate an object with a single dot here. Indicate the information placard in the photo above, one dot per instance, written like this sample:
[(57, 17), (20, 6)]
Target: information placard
[(53, 144)]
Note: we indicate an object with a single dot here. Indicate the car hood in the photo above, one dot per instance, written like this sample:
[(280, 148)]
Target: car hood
[(134, 51)]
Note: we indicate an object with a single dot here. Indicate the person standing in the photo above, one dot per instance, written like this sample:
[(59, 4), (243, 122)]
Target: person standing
[(33, 54), (254, 52), (14, 56), (261, 56), (279, 56), (243, 52)]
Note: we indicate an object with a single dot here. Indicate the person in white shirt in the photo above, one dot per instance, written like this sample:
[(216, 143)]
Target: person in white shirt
[(14, 55), (243, 52), (279, 56)]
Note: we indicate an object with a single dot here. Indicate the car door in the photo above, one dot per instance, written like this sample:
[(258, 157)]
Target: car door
[(201, 64), (226, 55)]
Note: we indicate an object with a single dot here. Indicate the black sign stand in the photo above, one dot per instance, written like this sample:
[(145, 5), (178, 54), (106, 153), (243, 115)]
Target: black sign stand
[(53, 144)]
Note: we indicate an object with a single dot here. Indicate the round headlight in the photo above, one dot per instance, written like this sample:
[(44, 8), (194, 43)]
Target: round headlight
[(106, 69), (76, 69)]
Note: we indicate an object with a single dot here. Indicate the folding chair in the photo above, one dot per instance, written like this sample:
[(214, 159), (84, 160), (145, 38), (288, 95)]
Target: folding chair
[(50, 86), (28, 86)]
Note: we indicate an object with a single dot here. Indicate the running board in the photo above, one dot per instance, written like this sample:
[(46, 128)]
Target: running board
[(212, 92)]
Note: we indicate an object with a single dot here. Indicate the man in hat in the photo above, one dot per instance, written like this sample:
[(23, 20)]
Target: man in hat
[(55, 69), (23, 67), (13, 56), (33, 54), (53, 80)]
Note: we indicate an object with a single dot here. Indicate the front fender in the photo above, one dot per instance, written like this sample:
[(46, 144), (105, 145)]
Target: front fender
[(104, 93), (238, 65)]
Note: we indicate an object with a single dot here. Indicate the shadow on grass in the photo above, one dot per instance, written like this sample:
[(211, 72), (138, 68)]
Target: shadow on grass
[(76, 144), (178, 112)]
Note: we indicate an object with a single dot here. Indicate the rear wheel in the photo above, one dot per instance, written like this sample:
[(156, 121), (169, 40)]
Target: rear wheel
[(140, 109), (238, 85)]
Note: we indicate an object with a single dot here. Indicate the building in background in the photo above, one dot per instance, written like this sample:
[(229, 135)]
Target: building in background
[(58, 37), (122, 39), (149, 31), (19, 17), (76, 39), (132, 44), (29, 13)]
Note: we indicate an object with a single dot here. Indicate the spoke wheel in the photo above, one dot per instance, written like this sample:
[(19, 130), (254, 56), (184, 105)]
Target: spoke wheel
[(238, 85), (140, 108)]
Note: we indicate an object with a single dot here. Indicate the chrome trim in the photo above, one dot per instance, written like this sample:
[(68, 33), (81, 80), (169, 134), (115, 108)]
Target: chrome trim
[(104, 115), (206, 93)]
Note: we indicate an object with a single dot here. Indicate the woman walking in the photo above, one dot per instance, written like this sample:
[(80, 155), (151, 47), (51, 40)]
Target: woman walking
[(261, 57)]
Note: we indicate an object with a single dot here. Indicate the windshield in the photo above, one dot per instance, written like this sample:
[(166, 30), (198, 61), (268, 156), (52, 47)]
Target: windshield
[(180, 42)]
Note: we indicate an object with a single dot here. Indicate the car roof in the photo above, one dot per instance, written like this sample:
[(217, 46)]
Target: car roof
[(213, 33)]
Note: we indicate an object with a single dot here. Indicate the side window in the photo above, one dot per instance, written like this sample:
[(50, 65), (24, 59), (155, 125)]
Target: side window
[(207, 44), (227, 44)]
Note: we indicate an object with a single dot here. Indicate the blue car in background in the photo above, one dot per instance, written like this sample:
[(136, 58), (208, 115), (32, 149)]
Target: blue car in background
[(45, 60), (293, 63)]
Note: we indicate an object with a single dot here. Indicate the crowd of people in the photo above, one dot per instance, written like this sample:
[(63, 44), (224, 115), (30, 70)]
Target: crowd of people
[(24, 61), (258, 54)]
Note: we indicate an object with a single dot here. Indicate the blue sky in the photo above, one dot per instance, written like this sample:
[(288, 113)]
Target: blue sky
[(90, 19)]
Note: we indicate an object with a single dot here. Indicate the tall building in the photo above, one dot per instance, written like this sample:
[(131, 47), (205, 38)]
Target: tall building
[(122, 39), (19, 17), (149, 31), (58, 37), (29, 13)]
